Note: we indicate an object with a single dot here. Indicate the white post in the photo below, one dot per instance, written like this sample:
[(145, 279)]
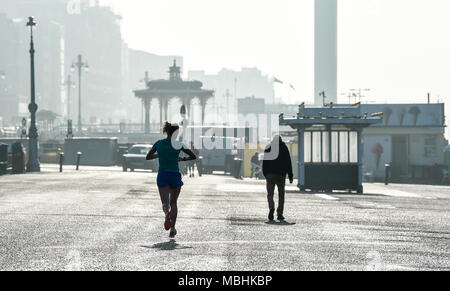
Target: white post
[(301, 159), (360, 161)]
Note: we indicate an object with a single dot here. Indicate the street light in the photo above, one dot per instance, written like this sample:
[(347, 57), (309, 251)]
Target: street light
[(70, 85), (33, 161), (79, 65)]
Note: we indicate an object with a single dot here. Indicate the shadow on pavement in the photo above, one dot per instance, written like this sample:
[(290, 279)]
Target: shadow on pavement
[(281, 223), (354, 194), (167, 246), (334, 193), (295, 192)]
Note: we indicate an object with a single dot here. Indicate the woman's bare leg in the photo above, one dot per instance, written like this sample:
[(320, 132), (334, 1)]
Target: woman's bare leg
[(164, 193), (174, 194)]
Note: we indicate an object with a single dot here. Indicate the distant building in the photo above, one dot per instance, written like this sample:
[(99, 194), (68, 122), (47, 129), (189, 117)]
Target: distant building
[(266, 114), (62, 34), (155, 65), (13, 88), (251, 105), (50, 66), (231, 85), (326, 50), (411, 139), (15, 63), (49, 56), (136, 64), (95, 33), (66, 29)]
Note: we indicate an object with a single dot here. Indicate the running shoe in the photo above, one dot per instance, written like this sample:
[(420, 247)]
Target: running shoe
[(173, 232), (281, 218), (168, 222)]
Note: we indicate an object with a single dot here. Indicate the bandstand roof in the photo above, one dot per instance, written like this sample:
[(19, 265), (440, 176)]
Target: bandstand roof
[(175, 86)]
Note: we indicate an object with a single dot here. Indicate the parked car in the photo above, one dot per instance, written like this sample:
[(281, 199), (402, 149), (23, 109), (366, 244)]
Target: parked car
[(136, 159), (218, 159)]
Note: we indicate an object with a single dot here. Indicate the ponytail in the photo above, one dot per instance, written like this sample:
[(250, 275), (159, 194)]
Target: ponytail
[(169, 128)]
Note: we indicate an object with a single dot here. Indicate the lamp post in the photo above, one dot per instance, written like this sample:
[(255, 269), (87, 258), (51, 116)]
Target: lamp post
[(70, 84), (184, 123), (79, 65), (33, 161)]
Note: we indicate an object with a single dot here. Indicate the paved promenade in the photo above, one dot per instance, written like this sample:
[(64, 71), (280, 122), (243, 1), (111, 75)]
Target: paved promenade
[(105, 219)]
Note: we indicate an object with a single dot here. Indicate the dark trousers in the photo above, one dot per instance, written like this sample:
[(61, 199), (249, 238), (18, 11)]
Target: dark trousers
[(279, 181)]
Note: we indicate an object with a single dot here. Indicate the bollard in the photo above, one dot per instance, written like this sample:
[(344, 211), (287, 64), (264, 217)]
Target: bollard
[(3, 159), (124, 163), (387, 173), (61, 161), (199, 163), (233, 169), (237, 168), (78, 160), (18, 158)]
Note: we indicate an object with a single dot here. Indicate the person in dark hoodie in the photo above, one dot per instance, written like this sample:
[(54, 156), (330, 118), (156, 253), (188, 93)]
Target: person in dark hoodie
[(276, 165)]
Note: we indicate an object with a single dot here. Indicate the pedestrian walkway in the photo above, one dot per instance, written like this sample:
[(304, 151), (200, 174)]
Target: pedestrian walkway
[(103, 218)]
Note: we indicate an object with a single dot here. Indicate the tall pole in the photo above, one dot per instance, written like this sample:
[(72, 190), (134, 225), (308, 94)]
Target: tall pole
[(326, 49), (235, 107), (69, 85), (146, 106), (33, 161), (80, 65), (80, 130)]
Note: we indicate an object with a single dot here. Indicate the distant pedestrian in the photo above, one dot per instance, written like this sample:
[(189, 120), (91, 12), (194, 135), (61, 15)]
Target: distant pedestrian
[(192, 164), (255, 165), (276, 165), (169, 179)]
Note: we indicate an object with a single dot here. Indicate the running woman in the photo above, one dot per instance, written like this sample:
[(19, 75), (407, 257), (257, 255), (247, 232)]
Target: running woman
[(169, 177)]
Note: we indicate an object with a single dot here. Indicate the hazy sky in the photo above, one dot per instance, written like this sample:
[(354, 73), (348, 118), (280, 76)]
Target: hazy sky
[(400, 49)]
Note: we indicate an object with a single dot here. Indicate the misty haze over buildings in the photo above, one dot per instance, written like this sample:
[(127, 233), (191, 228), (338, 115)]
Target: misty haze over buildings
[(116, 68)]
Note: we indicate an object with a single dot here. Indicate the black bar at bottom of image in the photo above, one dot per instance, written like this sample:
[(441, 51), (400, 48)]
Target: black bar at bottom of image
[(231, 280)]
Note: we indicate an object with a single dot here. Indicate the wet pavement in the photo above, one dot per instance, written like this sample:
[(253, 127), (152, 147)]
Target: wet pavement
[(105, 219)]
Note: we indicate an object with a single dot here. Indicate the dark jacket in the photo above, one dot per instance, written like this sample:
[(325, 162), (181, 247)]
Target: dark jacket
[(282, 165)]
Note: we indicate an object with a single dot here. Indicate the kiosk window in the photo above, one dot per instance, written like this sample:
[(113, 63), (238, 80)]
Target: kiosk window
[(325, 147), (344, 147), (307, 138)]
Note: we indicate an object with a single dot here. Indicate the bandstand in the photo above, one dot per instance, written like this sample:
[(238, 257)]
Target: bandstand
[(175, 87)]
